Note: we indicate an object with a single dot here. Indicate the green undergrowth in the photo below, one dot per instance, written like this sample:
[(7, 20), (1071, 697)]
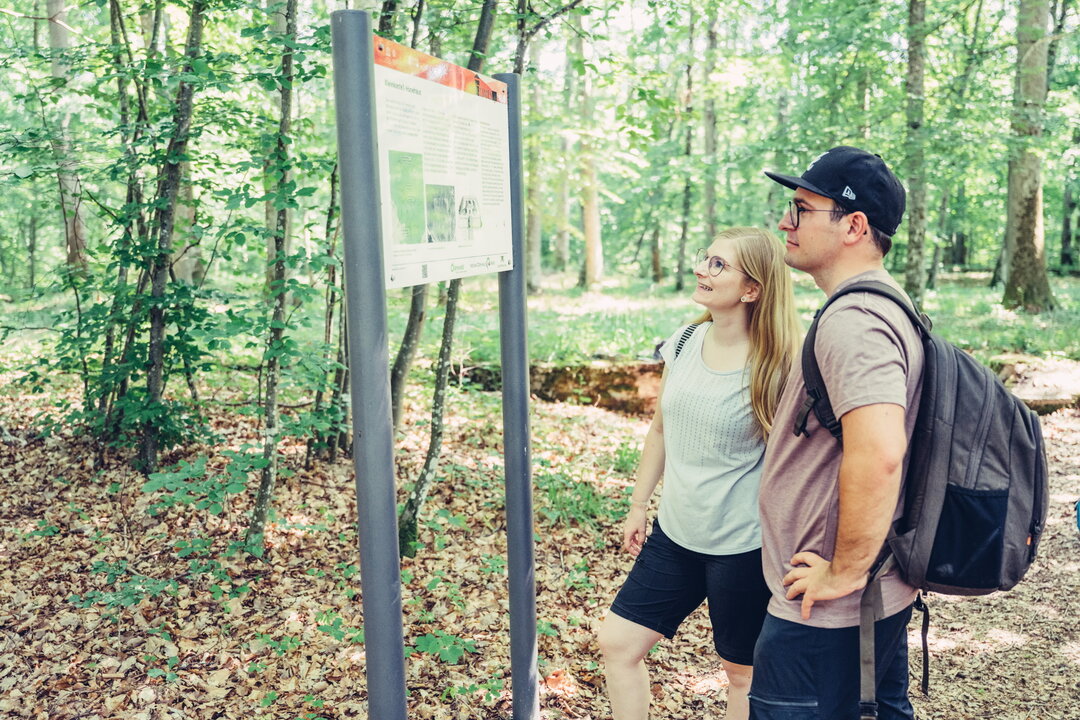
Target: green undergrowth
[(622, 321)]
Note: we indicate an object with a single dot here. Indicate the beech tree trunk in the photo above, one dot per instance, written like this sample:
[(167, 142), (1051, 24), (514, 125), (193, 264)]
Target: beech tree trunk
[(279, 26), (280, 164), (915, 271), (187, 262), (31, 250), (167, 194), (1068, 207), (688, 110), (593, 266), (410, 341), (709, 121), (533, 200), (1027, 284), (67, 175), (563, 199), (333, 298)]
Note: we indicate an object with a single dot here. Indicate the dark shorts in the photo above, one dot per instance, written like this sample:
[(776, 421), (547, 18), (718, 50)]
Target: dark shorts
[(668, 582), (810, 673)]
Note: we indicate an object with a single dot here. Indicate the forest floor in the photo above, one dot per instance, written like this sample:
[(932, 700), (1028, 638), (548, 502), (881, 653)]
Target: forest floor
[(109, 611)]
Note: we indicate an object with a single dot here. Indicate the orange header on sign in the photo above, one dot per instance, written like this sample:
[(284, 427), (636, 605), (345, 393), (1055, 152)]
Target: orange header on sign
[(413, 62)]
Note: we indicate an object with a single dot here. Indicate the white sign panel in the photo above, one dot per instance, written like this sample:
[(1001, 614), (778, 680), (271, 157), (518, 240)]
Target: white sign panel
[(443, 166)]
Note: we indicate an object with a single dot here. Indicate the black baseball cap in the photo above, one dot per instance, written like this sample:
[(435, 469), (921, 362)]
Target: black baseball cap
[(857, 181)]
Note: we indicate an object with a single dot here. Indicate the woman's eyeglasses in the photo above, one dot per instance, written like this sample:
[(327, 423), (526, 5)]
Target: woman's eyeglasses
[(715, 263)]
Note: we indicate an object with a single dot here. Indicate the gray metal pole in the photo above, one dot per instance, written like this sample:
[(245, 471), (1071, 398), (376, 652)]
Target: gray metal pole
[(521, 565), (365, 295)]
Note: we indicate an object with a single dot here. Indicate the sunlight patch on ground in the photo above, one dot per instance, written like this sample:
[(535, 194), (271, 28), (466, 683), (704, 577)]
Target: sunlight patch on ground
[(1000, 313), (1071, 651), (1005, 637), (593, 302)]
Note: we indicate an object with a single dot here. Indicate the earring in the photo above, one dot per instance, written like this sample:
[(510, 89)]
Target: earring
[(744, 299)]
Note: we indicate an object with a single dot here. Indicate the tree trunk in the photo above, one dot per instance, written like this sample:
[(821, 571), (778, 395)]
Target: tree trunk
[(167, 193), (709, 122), (67, 175), (593, 265), (688, 110), (31, 249), (279, 28), (563, 199), (935, 265), (274, 348), (862, 90), (655, 255), (1027, 285), (1068, 207), (387, 16), (533, 224), (333, 297), (187, 263), (410, 342), (915, 272)]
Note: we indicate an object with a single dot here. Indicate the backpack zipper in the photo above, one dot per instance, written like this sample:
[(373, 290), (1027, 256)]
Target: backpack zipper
[(980, 436)]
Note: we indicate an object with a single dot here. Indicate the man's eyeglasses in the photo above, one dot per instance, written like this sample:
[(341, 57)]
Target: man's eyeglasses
[(794, 210), (715, 263)]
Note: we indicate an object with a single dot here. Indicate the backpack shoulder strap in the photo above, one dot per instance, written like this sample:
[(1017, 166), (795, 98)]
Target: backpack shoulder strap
[(817, 397), (684, 337)]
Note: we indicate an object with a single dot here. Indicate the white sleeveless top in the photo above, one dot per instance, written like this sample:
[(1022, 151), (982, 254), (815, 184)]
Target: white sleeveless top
[(713, 453)]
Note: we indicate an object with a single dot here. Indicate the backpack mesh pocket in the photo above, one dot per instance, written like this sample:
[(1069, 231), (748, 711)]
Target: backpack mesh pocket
[(969, 543)]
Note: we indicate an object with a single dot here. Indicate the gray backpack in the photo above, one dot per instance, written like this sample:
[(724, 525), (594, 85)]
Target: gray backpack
[(975, 496)]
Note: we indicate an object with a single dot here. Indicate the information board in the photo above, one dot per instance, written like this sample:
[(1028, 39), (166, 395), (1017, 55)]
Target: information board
[(444, 168)]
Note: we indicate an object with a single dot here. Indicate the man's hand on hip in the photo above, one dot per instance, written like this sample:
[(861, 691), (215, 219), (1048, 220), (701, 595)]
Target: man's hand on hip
[(811, 576)]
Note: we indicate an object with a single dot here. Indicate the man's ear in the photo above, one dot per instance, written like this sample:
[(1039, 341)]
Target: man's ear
[(858, 227)]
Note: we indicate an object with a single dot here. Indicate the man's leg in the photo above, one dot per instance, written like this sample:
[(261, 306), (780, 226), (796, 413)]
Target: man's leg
[(805, 673), (891, 649), (785, 675)]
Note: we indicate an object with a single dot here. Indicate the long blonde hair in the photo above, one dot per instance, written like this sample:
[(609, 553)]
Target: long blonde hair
[(775, 331)]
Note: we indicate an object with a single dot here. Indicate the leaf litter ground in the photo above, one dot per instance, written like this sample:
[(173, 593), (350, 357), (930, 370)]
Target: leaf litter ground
[(281, 637)]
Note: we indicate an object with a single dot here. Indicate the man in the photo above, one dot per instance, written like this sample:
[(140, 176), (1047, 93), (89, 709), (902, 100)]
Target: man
[(826, 506)]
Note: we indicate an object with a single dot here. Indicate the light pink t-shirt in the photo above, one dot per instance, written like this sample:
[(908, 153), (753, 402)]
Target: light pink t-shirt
[(869, 353)]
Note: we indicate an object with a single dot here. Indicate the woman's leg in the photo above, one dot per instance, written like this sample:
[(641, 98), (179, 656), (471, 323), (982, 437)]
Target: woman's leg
[(738, 700), (624, 645), (738, 597)]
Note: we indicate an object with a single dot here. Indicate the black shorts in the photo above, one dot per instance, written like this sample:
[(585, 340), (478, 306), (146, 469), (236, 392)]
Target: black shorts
[(668, 582)]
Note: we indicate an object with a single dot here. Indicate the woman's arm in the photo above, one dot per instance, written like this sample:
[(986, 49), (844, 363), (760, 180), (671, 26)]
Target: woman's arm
[(650, 470)]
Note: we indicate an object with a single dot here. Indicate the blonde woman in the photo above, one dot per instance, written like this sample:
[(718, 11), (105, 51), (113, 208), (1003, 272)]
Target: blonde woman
[(707, 440)]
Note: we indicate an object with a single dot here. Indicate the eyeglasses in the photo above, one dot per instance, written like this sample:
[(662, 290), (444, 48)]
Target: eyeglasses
[(794, 210), (715, 263)]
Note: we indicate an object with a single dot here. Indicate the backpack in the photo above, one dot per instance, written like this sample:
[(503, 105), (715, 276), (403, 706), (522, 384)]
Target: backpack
[(684, 337), (975, 496)]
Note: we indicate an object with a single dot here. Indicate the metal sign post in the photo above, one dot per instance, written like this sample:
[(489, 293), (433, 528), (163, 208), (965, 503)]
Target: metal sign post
[(373, 433), (521, 565)]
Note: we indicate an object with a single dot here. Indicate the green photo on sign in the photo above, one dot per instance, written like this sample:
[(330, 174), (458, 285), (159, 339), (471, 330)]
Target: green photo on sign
[(407, 197), (441, 215)]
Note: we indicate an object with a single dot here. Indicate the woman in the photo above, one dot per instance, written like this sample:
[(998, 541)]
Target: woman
[(707, 440)]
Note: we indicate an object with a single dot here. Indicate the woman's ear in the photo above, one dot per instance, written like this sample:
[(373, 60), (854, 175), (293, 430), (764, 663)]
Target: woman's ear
[(752, 292)]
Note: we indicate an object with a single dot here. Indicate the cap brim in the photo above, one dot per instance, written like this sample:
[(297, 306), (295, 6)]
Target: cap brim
[(795, 183)]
